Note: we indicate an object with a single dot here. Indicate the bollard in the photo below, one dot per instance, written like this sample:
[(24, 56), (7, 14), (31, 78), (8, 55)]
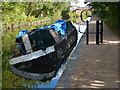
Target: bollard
[(97, 32), (79, 27), (101, 28), (87, 33)]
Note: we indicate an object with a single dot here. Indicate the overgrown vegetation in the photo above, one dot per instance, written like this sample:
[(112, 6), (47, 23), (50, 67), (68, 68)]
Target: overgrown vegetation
[(108, 11), (21, 12)]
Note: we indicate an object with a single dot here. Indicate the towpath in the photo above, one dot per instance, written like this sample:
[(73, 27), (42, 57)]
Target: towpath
[(93, 66)]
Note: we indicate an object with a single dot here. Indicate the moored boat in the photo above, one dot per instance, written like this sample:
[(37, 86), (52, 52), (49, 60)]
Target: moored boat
[(44, 46)]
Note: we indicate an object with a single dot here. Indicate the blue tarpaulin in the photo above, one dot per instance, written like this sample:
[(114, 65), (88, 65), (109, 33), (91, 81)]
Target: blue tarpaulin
[(20, 34), (60, 25)]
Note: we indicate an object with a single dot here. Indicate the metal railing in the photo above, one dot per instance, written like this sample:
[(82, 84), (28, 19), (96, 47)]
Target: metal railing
[(99, 32)]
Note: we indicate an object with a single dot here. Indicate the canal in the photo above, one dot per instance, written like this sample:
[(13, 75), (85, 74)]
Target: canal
[(19, 82)]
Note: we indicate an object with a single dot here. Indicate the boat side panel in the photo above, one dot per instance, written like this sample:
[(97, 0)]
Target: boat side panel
[(66, 44)]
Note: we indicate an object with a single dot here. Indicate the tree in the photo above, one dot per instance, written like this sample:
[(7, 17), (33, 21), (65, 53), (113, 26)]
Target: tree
[(108, 11)]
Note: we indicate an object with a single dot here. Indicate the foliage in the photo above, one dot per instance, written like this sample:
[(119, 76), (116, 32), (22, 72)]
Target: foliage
[(21, 12), (73, 14), (108, 11)]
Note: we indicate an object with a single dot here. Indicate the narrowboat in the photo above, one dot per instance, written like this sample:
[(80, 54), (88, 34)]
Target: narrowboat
[(43, 47)]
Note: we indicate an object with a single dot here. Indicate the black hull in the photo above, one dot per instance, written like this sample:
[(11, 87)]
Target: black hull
[(33, 76)]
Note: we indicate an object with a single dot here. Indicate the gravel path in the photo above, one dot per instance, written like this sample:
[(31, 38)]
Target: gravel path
[(94, 66)]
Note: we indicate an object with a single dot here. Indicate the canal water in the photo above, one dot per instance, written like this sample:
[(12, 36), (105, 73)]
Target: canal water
[(19, 82)]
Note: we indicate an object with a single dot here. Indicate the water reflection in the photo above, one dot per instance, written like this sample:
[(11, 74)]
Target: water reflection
[(37, 75), (48, 83)]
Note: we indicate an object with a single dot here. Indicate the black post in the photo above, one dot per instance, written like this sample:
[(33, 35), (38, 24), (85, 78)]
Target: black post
[(87, 33), (79, 27), (97, 32), (101, 32)]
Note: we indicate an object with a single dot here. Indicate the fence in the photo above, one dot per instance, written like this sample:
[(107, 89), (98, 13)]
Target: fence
[(13, 27)]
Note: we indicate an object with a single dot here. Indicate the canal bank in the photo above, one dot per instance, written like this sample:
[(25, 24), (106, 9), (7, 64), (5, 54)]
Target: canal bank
[(93, 66)]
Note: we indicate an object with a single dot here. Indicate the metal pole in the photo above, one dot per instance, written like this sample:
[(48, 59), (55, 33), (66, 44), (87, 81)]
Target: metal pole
[(87, 33), (79, 27), (97, 32), (101, 32)]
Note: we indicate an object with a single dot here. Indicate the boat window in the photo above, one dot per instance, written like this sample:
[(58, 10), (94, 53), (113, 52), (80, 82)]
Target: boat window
[(41, 39)]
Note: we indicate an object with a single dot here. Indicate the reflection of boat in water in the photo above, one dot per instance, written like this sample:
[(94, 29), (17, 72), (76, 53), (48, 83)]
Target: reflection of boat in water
[(41, 47), (41, 73)]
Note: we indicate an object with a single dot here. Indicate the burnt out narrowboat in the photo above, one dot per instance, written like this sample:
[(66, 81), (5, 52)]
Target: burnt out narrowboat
[(47, 46)]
